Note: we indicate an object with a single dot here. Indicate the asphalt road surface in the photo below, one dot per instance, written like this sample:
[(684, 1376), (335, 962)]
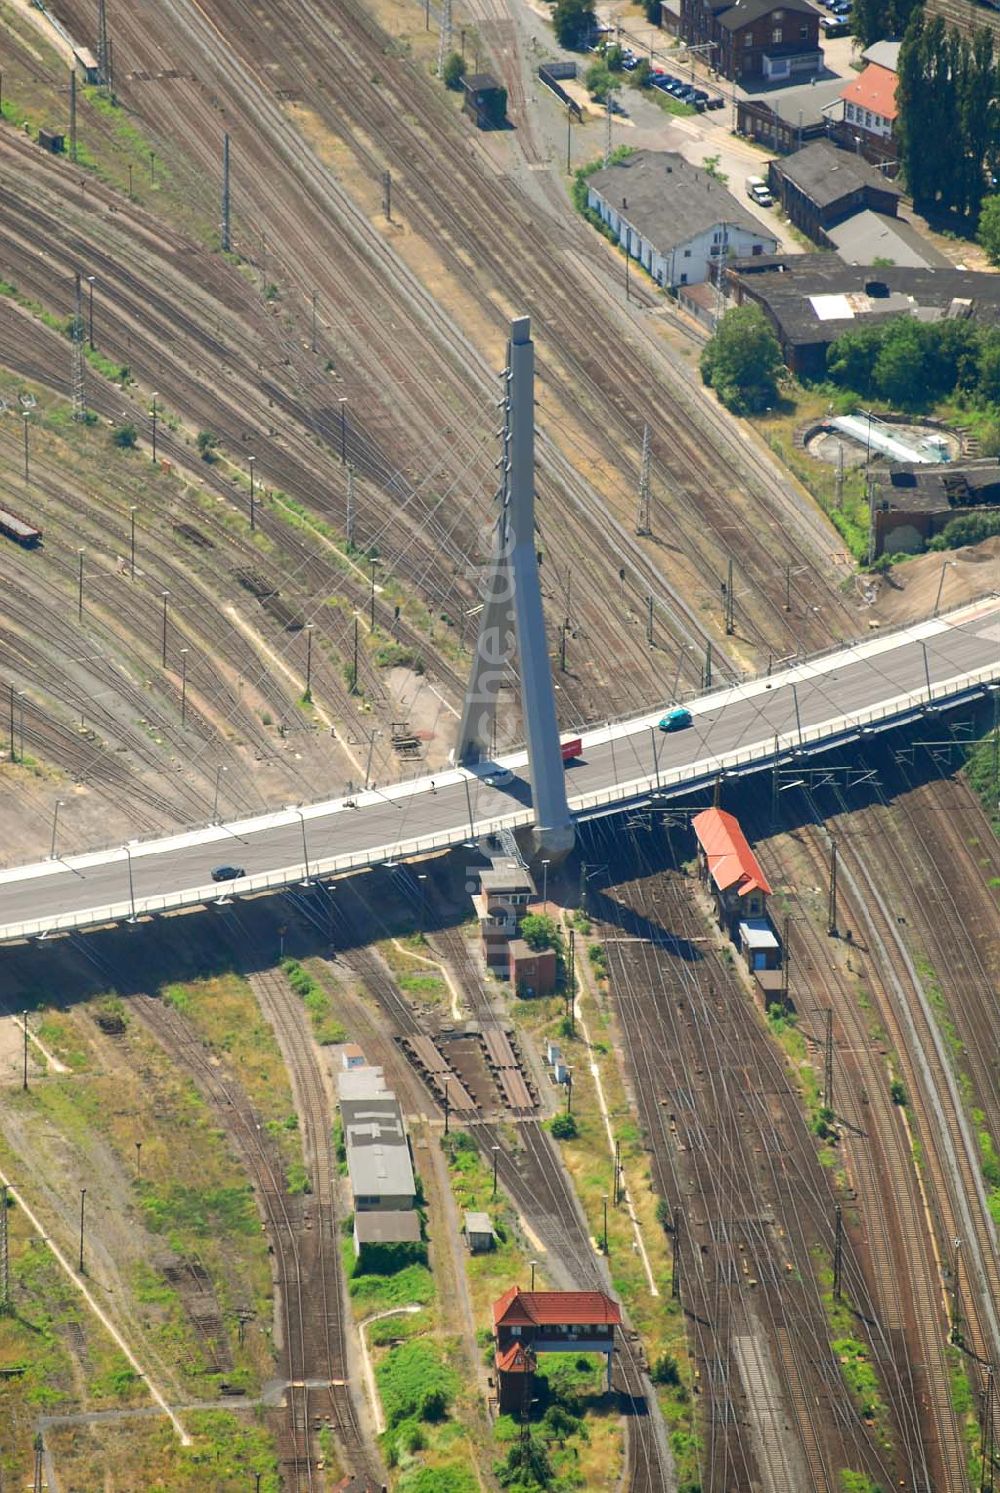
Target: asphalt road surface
[(744, 718)]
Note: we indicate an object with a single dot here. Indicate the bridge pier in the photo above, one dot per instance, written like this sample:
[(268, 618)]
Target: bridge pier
[(512, 616)]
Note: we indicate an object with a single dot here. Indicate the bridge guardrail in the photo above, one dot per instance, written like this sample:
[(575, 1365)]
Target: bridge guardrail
[(782, 745)]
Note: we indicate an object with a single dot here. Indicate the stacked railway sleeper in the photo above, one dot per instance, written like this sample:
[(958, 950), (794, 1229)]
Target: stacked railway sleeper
[(532, 1173), (750, 1209)]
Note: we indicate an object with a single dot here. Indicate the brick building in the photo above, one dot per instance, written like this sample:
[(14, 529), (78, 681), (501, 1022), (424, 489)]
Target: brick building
[(769, 40)]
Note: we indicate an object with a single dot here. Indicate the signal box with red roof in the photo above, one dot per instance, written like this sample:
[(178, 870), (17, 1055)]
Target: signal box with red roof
[(734, 876), (526, 1323)]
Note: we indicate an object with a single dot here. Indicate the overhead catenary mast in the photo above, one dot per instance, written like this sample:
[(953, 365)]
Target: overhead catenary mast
[(226, 194), (79, 402)]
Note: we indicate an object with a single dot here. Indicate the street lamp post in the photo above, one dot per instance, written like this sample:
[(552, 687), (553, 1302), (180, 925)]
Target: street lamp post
[(496, 1158), (79, 587), (446, 1105), (163, 648), (184, 685), (305, 847), (604, 1200), (532, 1263), (55, 822), (253, 516), (309, 662), (90, 336), (138, 1160), (83, 1200), (27, 421), (342, 401), (545, 886), (131, 884), (937, 599), (215, 801), (569, 1091), (373, 560), (131, 543)]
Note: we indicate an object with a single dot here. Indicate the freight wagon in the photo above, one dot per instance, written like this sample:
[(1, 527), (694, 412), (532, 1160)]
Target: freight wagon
[(19, 529)]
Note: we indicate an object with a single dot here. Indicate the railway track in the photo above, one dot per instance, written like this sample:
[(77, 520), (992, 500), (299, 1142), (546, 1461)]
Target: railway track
[(327, 1303), (242, 1124), (641, 563), (748, 1200), (534, 1177), (892, 1230)]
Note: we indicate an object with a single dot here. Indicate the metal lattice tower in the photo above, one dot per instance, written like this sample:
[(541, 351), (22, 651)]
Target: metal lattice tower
[(6, 1305), (444, 40), (642, 525), (103, 49), (79, 402), (512, 614), (225, 195)]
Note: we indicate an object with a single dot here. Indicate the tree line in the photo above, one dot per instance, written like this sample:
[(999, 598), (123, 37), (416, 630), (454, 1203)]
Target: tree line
[(913, 364), (948, 128)]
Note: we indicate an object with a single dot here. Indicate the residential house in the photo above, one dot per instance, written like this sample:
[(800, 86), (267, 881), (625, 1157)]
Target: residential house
[(864, 117), (679, 222), (756, 40), (819, 186)]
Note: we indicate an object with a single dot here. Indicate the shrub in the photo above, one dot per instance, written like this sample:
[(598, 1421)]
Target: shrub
[(415, 1384), (539, 931), (564, 1127), (742, 361), (897, 1092), (125, 436), (207, 444), (454, 71), (665, 1370)]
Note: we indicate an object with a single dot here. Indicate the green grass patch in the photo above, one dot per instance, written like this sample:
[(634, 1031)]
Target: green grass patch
[(318, 1002), (371, 1293), (414, 1382)]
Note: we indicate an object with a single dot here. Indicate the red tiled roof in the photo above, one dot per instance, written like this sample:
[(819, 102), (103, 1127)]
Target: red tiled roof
[(874, 89), (731, 862), (514, 1361), (553, 1308)]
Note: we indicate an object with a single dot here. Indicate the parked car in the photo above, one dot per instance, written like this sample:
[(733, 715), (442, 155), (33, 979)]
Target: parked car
[(227, 873), (676, 719), (716, 102)]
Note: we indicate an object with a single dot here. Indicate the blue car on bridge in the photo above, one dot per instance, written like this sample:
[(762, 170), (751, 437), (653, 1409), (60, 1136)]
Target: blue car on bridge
[(676, 719)]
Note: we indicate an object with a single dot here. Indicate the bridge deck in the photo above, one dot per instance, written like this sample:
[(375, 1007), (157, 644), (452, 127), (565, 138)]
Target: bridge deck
[(814, 704)]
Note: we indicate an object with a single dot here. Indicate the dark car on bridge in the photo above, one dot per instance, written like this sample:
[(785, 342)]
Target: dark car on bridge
[(227, 873)]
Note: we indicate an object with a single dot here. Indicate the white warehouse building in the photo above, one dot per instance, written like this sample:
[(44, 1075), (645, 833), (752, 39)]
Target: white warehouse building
[(676, 219)]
